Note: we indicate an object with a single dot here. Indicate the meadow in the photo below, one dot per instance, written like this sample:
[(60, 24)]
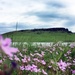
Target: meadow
[(56, 59), (36, 60), (40, 36)]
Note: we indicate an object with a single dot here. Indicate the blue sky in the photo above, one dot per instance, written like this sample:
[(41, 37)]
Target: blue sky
[(30, 14)]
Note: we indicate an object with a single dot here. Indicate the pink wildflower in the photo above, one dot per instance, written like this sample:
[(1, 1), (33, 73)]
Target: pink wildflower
[(26, 59), (1, 61), (22, 68), (28, 67), (44, 72), (72, 45), (34, 68), (42, 53), (49, 66), (36, 59), (73, 71), (62, 65), (43, 62), (5, 46), (21, 54), (16, 58)]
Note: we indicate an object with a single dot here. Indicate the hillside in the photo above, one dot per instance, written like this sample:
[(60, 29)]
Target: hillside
[(45, 29), (42, 35)]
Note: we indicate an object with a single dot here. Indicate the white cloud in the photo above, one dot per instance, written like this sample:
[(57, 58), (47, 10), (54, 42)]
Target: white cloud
[(12, 11), (72, 28), (69, 6)]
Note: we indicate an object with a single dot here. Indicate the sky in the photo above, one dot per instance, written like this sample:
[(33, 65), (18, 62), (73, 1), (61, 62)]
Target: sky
[(33, 14)]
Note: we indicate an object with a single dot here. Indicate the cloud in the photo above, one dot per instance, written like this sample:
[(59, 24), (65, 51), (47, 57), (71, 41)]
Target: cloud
[(13, 26), (55, 4), (72, 28), (70, 23), (45, 15), (37, 13)]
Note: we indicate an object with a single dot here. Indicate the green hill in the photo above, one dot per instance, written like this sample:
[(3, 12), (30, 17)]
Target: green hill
[(42, 35)]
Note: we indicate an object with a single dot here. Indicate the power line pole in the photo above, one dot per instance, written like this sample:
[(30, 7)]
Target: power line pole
[(16, 26)]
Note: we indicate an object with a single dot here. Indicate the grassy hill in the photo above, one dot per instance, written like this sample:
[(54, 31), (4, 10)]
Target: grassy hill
[(42, 35)]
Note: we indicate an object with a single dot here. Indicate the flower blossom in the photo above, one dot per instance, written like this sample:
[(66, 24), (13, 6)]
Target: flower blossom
[(32, 68), (5, 46), (43, 62), (44, 72), (73, 71), (62, 65)]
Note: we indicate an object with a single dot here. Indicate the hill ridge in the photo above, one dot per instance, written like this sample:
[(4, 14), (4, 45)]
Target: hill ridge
[(43, 29), (50, 29)]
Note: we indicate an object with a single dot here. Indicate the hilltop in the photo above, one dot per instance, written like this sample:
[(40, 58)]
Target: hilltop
[(42, 35), (53, 30), (44, 29)]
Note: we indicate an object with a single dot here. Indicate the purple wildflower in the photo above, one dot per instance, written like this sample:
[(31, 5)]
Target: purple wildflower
[(73, 71), (5, 45), (14, 64), (62, 65)]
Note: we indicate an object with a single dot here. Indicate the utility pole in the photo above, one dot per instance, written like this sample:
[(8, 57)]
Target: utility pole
[(16, 26)]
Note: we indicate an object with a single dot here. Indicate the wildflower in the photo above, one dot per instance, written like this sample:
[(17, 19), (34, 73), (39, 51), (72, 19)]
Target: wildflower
[(73, 71), (36, 59), (69, 52), (74, 61), (28, 67), (34, 68), (44, 72), (42, 53), (16, 58), (26, 59), (22, 68), (49, 66), (21, 54), (1, 61), (72, 45), (13, 64), (5, 45), (62, 65), (9, 50), (43, 62)]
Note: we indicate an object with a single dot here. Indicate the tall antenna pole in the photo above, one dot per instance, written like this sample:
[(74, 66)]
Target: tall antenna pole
[(16, 26)]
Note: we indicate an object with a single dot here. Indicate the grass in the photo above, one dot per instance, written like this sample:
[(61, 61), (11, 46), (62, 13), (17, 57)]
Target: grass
[(40, 36)]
